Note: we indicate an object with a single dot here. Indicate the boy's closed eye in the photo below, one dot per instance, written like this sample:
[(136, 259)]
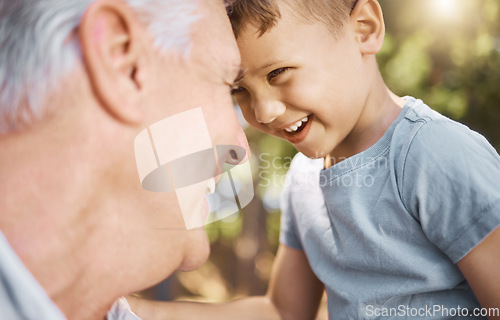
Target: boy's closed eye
[(275, 73)]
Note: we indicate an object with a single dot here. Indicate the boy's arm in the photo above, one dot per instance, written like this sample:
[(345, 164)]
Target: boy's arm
[(481, 269), (294, 289), (294, 293)]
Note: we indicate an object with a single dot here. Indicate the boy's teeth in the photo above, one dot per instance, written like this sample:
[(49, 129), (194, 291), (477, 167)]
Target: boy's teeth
[(296, 126)]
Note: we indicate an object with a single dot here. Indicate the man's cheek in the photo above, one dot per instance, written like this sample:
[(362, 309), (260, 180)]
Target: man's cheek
[(176, 155), (162, 155)]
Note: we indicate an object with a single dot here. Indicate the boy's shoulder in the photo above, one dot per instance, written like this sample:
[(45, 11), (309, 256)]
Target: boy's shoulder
[(425, 130), (434, 153), (417, 112)]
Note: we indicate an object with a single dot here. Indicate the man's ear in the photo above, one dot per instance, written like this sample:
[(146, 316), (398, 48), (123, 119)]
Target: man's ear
[(110, 40), (368, 22)]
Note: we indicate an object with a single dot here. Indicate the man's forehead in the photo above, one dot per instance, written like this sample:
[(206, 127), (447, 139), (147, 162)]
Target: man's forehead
[(220, 65), (214, 44)]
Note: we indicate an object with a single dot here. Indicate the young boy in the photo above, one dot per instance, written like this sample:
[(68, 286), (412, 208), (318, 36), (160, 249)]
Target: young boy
[(391, 207)]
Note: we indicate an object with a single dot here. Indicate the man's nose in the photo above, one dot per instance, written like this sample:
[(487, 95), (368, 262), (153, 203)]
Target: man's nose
[(240, 150), (267, 110), (229, 138)]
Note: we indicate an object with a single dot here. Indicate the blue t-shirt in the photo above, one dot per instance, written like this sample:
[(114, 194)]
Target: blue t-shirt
[(384, 229)]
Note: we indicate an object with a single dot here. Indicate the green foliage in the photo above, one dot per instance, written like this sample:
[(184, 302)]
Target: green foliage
[(446, 52)]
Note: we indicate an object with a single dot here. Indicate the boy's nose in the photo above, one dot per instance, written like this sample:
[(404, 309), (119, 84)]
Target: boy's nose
[(266, 111)]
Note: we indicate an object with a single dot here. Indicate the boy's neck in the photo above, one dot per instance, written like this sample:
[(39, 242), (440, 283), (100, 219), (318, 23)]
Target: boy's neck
[(381, 110)]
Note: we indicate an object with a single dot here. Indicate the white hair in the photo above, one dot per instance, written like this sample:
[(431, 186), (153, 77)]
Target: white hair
[(37, 50)]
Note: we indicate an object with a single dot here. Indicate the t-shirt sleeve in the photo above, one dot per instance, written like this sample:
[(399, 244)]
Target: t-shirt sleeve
[(451, 185), (288, 232)]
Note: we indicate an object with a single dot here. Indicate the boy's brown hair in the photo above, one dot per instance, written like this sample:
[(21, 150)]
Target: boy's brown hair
[(263, 14)]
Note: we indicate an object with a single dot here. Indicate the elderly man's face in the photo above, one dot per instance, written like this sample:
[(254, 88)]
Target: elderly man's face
[(193, 95)]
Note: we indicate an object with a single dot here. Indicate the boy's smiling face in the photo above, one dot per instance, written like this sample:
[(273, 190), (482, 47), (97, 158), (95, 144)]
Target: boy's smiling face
[(297, 71)]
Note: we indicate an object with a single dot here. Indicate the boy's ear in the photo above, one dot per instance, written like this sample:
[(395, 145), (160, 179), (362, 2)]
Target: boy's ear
[(111, 44), (369, 26)]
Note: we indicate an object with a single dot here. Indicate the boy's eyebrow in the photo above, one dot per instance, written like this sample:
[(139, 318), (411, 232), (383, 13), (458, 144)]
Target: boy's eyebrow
[(267, 65)]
